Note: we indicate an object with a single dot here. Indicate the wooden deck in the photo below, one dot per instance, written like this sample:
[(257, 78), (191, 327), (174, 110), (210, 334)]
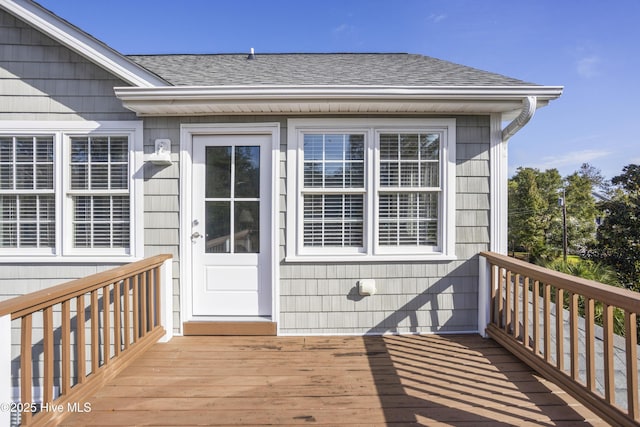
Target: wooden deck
[(408, 380)]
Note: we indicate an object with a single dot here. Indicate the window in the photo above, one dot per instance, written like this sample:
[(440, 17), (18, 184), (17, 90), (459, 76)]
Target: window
[(69, 192), (409, 189), (27, 201), (370, 189), (333, 190), (99, 191)]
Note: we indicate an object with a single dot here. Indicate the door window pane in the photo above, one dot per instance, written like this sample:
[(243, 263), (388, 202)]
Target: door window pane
[(247, 176), (218, 172), (218, 227), (247, 227)]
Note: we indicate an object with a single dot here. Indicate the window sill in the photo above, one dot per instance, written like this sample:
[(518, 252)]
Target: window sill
[(435, 257), (52, 259)]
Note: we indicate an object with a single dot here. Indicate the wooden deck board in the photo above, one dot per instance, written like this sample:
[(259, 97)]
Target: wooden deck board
[(408, 380)]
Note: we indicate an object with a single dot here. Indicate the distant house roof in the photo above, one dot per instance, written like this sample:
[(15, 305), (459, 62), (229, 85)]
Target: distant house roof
[(318, 69)]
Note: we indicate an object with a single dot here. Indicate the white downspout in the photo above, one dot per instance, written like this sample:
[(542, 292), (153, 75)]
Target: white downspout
[(529, 105), (499, 175)]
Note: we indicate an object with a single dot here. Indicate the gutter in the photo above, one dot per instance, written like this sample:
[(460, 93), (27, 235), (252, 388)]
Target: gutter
[(264, 92), (274, 99), (529, 105)]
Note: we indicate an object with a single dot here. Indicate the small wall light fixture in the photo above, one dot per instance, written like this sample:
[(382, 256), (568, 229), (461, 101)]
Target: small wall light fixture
[(162, 155)]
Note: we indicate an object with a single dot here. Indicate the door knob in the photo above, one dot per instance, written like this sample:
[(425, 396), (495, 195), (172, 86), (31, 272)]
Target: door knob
[(196, 235)]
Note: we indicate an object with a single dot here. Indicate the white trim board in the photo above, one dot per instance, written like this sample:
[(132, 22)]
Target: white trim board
[(187, 131)]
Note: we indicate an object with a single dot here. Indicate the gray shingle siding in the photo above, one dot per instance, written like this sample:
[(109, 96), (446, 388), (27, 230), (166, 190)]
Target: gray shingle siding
[(43, 80)]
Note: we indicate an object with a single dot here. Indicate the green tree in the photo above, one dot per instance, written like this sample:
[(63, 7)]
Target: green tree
[(581, 212), (531, 210), (550, 185), (535, 216), (599, 183), (618, 237)]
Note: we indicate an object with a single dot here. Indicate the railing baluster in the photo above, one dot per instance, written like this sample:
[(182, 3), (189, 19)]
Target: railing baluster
[(500, 320), (106, 324), (560, 329), (525, 312), (66, 348), (508, 295), (590, 338), (81, 341), (127, 312), (573, 337), (516, 306), (157, 293), (150, 299), (47, 317), (536, 317), (495, 283), (136, 308), (631, 341), (547, 322), (117, 333), (143, 304), (609, 376), (26, 368), (95, 333)]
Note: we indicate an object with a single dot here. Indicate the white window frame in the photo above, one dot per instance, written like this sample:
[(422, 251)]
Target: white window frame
[(372, 251), (31, 192), (62, 132)]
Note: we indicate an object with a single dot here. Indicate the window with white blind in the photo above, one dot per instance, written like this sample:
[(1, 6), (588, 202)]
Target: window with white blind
[(27, 200), (371, 189), (409, 189), (67, 190), (333, 190), (99, 191)]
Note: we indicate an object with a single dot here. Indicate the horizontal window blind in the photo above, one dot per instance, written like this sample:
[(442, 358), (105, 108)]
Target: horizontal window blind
[(333, 220), (409, 189), (99, 190), (27, 202), (101, 222), (332, 190), (408, 219), (99, 163)]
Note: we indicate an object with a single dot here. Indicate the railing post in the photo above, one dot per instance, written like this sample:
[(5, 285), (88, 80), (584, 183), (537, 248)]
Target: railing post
[(484, 295), (5, 370), (166, 299)]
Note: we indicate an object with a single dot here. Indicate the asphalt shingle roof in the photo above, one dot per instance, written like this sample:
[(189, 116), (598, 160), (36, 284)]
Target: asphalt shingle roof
[(315, 69)]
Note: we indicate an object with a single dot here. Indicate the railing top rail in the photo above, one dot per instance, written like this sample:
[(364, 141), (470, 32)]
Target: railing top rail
[(619, 297), (32, 302)]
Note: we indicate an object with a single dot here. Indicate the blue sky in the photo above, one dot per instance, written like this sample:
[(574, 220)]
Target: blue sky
[(591, 47)]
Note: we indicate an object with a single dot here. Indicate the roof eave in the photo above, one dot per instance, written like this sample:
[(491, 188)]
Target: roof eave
[(185, 100)]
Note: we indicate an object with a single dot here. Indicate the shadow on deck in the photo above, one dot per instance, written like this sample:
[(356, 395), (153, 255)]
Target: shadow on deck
[(411, 380)]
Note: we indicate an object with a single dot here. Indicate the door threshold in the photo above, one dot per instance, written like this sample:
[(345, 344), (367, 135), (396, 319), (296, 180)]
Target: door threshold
[(230, 327)]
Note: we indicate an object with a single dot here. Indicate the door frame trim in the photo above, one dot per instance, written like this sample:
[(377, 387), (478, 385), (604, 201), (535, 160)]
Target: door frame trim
[(187, 132)]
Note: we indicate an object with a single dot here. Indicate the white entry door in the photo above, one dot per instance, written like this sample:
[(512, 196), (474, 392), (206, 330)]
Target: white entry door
[(231, 217)]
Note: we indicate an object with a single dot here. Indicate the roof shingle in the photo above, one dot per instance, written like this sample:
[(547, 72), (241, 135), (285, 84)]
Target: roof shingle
[(318, 69)]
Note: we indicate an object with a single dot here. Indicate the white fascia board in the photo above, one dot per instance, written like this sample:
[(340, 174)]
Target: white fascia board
[(180, 100), (336, 92), (81, 43)]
